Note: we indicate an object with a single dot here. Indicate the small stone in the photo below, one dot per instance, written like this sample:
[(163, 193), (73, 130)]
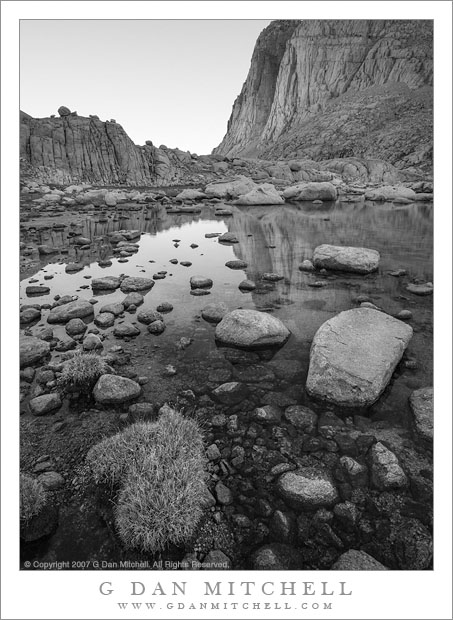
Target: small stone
[(214, 312), (223, 494), (202, 282), (421, 402), (267, 415), (164, 307), (306, 265), (420, 289), (213, 452), (40, 405), (386, 472), (236, 264), (126, 330), (357, 560), (104, 320), (308, 488), (404, 315), (51, 480), (156, 328), (247, 285), (231, 393)]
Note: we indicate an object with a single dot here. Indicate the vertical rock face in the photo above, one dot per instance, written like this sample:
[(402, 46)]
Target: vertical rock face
[(252, 107), (72, 148), (330, 72)]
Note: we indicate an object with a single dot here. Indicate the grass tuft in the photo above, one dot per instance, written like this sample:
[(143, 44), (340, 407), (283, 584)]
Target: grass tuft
[(82, 371), (33, 497), (159, 470)]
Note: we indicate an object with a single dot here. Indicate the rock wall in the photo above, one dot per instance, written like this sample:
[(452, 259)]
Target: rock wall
[(343, 88), (74, 149)]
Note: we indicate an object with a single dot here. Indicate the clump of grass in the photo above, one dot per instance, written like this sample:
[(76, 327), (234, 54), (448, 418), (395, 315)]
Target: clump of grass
[(159, 470), (33, 497), (82, 371)]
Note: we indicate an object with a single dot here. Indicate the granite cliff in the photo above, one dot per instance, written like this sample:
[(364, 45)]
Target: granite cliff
[(72, 149), (343, 88)]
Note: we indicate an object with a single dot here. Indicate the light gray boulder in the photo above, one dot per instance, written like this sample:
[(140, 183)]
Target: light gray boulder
[(230, 189), (114, 390), (308, 488), (357, 560), (353, 356), (386, 472), (311, 191), (344, 258), (250, 329), (265, 194)]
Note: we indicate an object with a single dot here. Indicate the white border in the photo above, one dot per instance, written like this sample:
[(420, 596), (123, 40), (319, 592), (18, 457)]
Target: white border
[(75, 594)]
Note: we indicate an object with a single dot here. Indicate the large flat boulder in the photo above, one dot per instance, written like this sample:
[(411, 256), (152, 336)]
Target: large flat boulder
[(251, 329), (311, 191), (32, 350), (391, 193), (230, 189), (344, 258), (77, 309), (114, 390), (353, 356), (265, 194)]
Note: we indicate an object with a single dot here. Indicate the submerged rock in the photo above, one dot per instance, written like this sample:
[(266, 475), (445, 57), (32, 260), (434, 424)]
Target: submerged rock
[(133, 299), (231, 393), (353, 356), (251, 328), (114, 309), (126, 330), (214, 313), (420, 289), (148, 316), (343, 258), (114, 390)]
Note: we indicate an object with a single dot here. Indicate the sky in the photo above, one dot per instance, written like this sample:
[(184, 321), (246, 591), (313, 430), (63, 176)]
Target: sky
[(173, 82)]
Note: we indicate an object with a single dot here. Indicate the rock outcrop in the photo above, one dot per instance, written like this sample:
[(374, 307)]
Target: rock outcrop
[(343, 88), (75, 149)]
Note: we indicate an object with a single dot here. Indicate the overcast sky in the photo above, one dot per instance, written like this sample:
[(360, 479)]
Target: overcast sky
[(170, 81)]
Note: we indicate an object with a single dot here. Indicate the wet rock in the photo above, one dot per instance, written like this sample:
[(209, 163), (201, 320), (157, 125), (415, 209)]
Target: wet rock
[(32, 350), (74, 267), (302, 417), (307, 488), (92, 343), (126, 330), (183, 343), (105, 284), (231, 393), (148, 316), (236, 264), (343, 258), (200, 292), (133, 299), (164, 307), (29, 315), (51, 480), (404, 315), (228, 237), (421, 402), (65, 343), (353, 356), (247, 285), (277, 556), (268, 414), (214, 313), (45, 404), (200, 282), (115, 390), (223, 494), (306, 265), (186, 263), (264, 194), (398, 273), (156, 328), (357, 560), (311, 191), (31, 291), (75, 327), (132, 284), (250, 328), (105, 319), (77, 309), (386, 472), (420, 289)]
